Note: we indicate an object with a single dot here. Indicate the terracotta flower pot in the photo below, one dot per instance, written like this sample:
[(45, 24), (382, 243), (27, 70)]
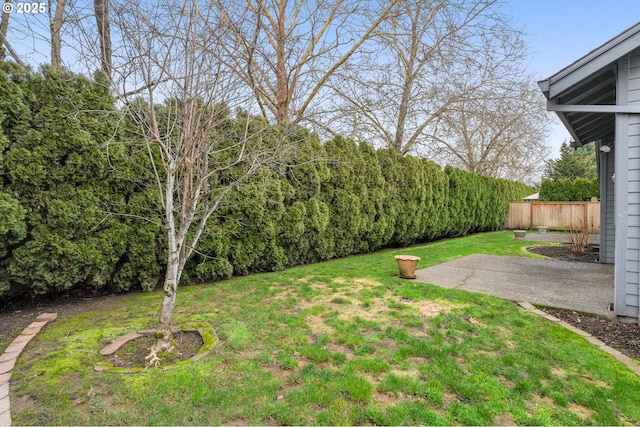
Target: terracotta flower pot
[(407, 265)]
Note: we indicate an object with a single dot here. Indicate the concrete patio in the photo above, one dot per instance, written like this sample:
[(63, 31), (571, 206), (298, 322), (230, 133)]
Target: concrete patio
[(586, 287)]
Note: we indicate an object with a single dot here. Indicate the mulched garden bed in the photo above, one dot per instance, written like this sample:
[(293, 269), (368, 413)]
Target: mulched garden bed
[(564, 253), (624, 337)]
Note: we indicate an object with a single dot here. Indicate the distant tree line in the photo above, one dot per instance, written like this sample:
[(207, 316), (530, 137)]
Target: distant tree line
[(573, 163), (571, 177), (567, 190), (79, 207)]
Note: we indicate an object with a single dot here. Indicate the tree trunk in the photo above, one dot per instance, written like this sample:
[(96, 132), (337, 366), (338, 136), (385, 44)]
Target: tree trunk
[(4, 25), (101, 8), (282, 82), (172, 274), (56, 25), (169, 298), (167, 307)]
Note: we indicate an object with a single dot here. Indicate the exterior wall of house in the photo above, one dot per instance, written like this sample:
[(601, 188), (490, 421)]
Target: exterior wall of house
[(627, 190), (607, 213)]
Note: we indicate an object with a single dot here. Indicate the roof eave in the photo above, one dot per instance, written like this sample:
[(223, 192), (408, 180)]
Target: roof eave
[(594, 61), (560, 88)]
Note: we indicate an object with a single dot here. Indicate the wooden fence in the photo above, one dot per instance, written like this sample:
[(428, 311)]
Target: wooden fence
[(554, 215)]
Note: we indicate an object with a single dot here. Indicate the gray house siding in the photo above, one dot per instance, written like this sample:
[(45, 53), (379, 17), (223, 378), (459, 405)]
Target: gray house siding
[(633, 209), (627, 189), (607, 212)]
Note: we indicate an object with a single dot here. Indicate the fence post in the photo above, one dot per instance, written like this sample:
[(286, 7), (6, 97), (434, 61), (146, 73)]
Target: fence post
[(530, 214)]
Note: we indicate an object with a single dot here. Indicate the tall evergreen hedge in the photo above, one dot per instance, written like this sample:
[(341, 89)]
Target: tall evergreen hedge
[(72, 195), (568, 190)]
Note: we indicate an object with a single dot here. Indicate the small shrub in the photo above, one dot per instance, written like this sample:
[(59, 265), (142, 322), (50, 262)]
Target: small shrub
[(579, 238)]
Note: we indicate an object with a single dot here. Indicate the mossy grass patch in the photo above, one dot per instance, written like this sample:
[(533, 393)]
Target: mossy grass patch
[(292, 351)]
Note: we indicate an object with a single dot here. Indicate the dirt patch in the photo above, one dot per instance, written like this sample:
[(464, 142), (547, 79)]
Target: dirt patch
[(558, 373), (451, 397), (237, 422), (581, 411), (20, 402), (339, 348), (505, 419), (16, 314), (509, 384), (406, 373), (347, 307), (594, 381), (544, 401), (358, 281), (540, 400), (318, 326), (377, 309), (279, 373), (432, 308), (390, 399)]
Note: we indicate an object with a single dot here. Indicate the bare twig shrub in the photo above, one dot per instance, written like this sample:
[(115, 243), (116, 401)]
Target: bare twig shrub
[(578, 237)]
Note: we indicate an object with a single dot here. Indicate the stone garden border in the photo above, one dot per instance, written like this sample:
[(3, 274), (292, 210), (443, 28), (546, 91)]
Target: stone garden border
[(8, 362)]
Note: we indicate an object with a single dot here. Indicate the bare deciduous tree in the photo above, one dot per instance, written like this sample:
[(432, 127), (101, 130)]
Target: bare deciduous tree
[(29, 31), (286, 51), (170, 58), (5, 46), (78, 33), (432, 58), (500, 132)]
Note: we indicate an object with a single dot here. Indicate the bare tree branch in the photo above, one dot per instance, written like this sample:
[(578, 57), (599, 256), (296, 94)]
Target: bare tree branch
[(13, 53), (500, 134), (286, 51), (427, 59)]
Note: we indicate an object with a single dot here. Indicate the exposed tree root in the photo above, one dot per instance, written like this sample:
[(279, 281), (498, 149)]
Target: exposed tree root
[(162, 344), (152, 360)]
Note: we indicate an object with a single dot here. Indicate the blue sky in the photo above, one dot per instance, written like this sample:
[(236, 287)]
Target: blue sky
[(559, 32), (562, 31)]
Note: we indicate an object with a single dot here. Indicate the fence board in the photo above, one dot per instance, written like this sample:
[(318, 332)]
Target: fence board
[(554, 215)]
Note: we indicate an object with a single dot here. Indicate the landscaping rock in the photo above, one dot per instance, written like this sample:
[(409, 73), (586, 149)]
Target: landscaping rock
[(47, 317)]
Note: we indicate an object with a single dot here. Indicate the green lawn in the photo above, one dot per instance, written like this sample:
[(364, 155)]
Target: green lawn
[(339, 342)]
